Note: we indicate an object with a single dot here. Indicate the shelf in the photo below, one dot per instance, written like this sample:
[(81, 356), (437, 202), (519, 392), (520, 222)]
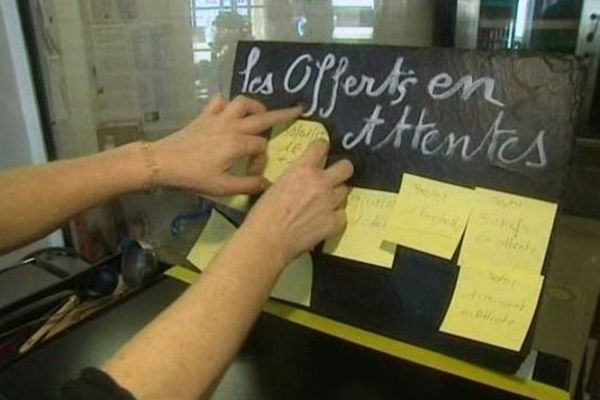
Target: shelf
[(397, 348)]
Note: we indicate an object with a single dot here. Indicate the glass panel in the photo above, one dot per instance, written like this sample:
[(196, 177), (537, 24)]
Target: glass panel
[(548, 25), (206, 3), (555, 26)]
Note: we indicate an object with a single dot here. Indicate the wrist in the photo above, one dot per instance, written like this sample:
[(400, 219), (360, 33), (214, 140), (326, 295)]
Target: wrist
[(159, 152), (151, 165), (125, 167), (168, 153), (265, 242)]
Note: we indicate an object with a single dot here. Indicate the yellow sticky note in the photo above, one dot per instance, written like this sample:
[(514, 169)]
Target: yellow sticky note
[(286, 146), (367, 212), (429, 216), (215, 234), (240, 202), (493, 307), (295, 282), (506, 230)]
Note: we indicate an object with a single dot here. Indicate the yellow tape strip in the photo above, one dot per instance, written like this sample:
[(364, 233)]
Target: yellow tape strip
[(399, 349)]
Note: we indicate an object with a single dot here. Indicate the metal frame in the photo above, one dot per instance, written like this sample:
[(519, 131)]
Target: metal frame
[(63, 237), (589, 28), (467, 24)]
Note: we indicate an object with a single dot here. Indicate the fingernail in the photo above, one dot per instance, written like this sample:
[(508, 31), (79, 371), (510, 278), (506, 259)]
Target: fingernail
[(302, 106)]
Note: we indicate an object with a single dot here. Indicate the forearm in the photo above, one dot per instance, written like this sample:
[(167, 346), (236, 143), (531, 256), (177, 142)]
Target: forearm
[(198, 336), (182, 353), (34, 201)]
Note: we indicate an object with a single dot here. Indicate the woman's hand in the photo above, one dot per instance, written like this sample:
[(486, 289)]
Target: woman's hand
[(305, 205), (201, 156)]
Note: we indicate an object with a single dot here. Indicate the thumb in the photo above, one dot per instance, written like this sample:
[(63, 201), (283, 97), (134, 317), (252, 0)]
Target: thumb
[(243, 184), (315, 154)]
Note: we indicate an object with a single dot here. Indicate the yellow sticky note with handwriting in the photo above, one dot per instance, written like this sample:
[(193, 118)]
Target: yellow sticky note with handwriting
[(367, 212), (286, 146), (429, 216), (507, 231), (493, 307), (294, 283)]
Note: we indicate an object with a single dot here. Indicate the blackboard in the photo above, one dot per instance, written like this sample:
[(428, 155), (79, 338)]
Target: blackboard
[(503, 121)]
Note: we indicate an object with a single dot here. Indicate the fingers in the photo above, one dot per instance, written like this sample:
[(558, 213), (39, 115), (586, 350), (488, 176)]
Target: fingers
[(259, 123), (337, 224), (339, 172), (243, 106), (248, 146), (243, 184), (315, 154), (216, 104), (257, 164), (340, 193)]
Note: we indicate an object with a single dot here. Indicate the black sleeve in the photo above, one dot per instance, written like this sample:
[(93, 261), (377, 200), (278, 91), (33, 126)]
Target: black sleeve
[(94, 384)]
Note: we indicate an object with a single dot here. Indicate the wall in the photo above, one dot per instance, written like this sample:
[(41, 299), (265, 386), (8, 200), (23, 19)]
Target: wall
[(20, 131)]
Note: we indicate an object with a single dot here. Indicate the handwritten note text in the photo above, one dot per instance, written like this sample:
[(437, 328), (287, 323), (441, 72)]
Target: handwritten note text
[(493, 307), (367, 212), (429, 216), (507, 231), (289, 144)]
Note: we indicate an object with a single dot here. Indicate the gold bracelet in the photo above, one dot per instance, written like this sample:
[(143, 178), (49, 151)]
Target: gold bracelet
[(152, 166)]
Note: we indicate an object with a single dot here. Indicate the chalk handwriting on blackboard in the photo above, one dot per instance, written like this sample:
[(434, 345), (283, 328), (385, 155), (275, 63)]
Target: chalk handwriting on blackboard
[(466, 83), (413, 129), (498, 142)]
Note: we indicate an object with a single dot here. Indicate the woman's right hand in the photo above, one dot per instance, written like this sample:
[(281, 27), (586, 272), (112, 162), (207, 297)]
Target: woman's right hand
[(305, 206)]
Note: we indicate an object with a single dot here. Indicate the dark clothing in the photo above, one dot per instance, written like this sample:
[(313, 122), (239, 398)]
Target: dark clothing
[(94, 384)]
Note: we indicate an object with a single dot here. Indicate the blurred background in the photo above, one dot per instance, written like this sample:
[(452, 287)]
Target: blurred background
[(108, 72)]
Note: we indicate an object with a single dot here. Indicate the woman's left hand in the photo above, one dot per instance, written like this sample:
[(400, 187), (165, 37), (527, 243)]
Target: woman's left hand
[(201, 156)]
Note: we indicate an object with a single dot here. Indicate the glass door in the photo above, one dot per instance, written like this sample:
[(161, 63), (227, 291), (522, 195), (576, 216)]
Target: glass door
[(568, 27)]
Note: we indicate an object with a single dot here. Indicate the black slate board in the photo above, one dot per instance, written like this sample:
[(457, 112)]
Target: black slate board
[(503, 121)]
